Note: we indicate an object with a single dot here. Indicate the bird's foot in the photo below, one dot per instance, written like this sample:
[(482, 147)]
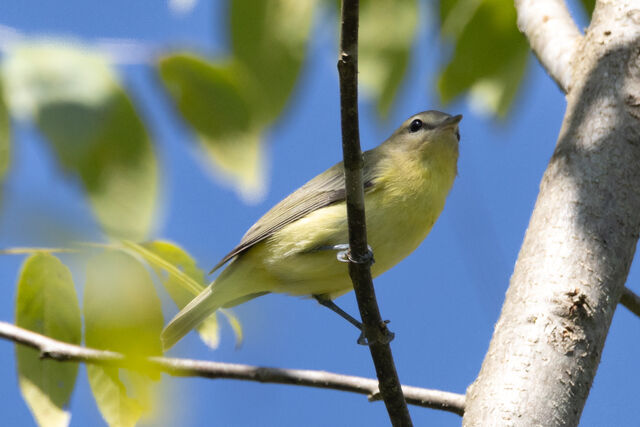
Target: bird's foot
[(344, 255), (385, 336)]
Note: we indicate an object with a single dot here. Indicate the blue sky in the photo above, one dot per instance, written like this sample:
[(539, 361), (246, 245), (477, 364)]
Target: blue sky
[(442, 301)]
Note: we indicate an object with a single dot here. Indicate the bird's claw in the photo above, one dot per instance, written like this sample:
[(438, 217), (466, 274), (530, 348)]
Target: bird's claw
[(383, 338), (344, 255), (362, 339)]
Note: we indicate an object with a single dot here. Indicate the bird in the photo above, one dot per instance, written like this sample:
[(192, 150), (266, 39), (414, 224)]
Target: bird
[(295, 248)]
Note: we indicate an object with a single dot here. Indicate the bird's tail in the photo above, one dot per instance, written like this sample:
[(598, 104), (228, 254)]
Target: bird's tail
[(190, 317)]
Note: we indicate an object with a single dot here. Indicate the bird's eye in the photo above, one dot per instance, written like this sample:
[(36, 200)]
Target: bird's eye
[(415, 125)]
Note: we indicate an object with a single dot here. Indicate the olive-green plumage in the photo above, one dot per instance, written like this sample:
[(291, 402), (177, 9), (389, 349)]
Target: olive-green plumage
[(289, 250)]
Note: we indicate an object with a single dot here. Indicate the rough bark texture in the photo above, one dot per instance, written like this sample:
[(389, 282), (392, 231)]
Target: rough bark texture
[(580, 242)]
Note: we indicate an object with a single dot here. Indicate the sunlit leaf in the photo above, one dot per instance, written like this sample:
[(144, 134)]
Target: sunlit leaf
[(483, 31), (230, 103), (28, 251), (75, 99), (122, 313), (183, 280), (210, 99), (5, 142), (495, 94), (242, 157), (234, 322), (47, 303), (269, 40), (117, 408), (384, 49), (455, 14)]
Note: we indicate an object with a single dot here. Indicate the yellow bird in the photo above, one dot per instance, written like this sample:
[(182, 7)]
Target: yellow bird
[(292, 248)]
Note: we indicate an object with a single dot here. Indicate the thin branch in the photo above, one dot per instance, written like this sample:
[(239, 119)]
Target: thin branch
[(360, 266), (65, 352), (552, 34), (631, 301)]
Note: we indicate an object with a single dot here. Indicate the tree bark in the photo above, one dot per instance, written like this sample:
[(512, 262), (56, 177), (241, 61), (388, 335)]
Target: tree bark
[(580, 242)]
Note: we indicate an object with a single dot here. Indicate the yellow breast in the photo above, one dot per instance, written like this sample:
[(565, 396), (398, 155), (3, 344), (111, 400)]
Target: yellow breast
[(401, 207)]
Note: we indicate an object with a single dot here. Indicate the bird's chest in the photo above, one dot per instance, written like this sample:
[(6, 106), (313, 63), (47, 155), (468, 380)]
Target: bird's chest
[(402, 214)]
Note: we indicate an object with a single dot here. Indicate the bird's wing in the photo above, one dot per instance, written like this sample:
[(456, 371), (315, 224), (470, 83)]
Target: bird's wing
[(323, 190)]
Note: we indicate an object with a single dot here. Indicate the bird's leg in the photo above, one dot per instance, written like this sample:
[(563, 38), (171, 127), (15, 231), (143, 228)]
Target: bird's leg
[(362, 340), (344, 255)]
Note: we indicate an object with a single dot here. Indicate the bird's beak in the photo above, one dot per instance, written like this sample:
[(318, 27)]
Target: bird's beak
[(451, 122)]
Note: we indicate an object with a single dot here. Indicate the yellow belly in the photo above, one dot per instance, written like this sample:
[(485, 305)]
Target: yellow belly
[(298, 257)]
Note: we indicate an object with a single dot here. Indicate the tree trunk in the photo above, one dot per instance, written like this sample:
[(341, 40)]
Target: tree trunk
[(581, 239)]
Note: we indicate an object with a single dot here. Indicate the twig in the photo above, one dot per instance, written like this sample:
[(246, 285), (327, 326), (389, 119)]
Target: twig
[(631, 301), (359, 268), (65, 352), (552, 34)]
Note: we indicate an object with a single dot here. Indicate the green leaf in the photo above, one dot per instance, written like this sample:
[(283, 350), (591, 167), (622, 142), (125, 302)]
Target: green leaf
[(496, 93), (210, 99), (209, 96), (483, 32), (269, 40), (76, 101), (229, 104), (183, 280), (455, 14), (47, 304), (235, 324), (117, 408), (5, 142), (588, 5), (384, 49), (122, 313)]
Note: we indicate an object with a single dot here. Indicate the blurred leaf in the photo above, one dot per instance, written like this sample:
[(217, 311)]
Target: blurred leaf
[(5, 143), (211, 101), (122, 313), (588, 5), (230, 103), (495, 94), (455, 14), (47, 304), (29, 251), (208, 95), (444, 8), (184, 281), (117, 408), (387, 31), (269, 39), (487, 33), (235, 324), (75, 99)]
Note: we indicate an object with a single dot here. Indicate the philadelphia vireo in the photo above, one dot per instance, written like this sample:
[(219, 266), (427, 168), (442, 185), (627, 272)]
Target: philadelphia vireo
[(292, 248)]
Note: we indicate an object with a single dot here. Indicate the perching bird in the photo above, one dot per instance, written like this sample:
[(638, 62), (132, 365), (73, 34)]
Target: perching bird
[(292, 249)]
